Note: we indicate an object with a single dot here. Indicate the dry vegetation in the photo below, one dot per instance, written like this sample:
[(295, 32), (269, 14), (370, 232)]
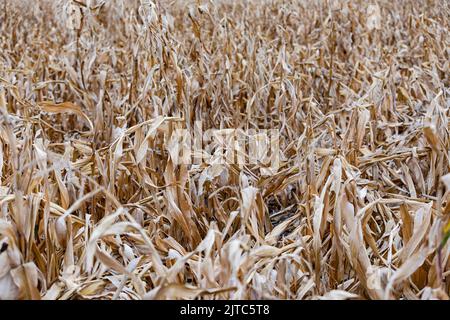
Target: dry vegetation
[(93, 207)]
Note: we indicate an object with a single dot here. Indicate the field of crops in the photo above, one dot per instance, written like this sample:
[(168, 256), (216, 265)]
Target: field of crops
[(99, 100)]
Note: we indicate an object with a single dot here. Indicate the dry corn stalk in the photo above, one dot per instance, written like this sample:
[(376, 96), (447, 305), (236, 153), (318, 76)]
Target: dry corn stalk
[(358, 206)]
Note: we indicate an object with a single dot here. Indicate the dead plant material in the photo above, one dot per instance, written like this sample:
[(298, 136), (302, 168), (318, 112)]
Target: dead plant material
[(94, 205)]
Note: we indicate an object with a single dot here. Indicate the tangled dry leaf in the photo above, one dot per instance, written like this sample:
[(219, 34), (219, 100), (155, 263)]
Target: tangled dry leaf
[(94, 203)]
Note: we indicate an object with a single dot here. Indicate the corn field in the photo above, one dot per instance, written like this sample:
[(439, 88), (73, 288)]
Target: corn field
[(96, 204)]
